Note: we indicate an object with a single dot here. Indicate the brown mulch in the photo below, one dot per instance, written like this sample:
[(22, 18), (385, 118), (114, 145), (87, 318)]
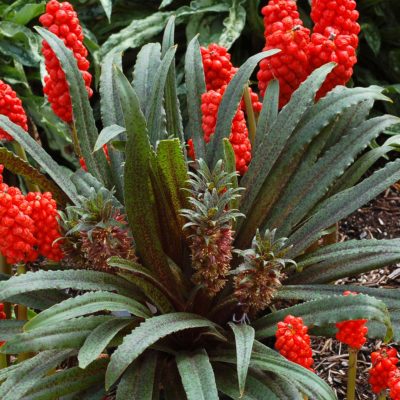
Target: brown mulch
[(379, 219)]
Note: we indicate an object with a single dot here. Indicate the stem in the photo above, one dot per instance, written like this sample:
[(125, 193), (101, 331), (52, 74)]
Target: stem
[(20, 151), (75, 141), (305, 397), (22, 312), (352, 374), (382, 396), (251, 118)]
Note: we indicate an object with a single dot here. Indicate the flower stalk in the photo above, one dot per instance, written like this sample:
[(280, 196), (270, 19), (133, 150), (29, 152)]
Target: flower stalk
[(352, 374)]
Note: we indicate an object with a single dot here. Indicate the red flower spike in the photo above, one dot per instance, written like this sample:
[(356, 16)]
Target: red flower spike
[(239, 136), (293, 341), (45, 216), (338, 14), (290, 66), (62, 20), (394, 384), (353, 332), (11, 107), (17, 240), (332, 47), (280, 15), (383, 361)]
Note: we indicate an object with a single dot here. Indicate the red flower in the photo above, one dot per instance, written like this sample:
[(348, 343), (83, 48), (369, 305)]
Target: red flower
[(384, 361), (394, 384), (11, 107), (293, 341), (62, 20), (353, 333)]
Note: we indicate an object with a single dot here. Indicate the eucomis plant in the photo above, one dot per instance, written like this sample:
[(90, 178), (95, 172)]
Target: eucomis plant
[(176, 272)]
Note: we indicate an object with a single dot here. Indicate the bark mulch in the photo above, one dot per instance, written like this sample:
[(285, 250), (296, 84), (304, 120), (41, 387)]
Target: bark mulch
[(379, 219)]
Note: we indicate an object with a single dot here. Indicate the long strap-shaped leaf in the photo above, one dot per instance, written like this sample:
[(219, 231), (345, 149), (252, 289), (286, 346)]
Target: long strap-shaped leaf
[(111, 114), (25, 377), (21, 167), (69, 334), (9, 328), (344, 203), (59, 176), (67, 382), (348, 263), (320, 312), (197, 375), (269, 112), (139, 196), (154, 112), (83, 115), (273, 142), (148, 333), (244, 338), (195, 87), (137, 383), (230, 103), (70, 279), (308, 187), (98, 340), (87, 303), (172, 106)]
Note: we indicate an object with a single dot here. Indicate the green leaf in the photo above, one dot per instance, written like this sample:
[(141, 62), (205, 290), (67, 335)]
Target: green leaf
[(345, 259), (172, 106), (233, 24), (197, 375), (147, 334), (165, 3), (67, 381), (28, 372), (341, 205), (244, 338), (98, 340), (19, 43), (107, 6), (140, 201), (84, 122), (87, 303), (230, 103), (137, 383), (195, 87), (309, 185), (230, 167), (172, 383), (256, 388), (70, 334), (21, 167), (58, 174), (372, 36), (69, 279), (154, 111), (328, 311), (111, 114), (269, 111), (27, 13), (9, 328), (273, 145), (107, 134), (145, 73)]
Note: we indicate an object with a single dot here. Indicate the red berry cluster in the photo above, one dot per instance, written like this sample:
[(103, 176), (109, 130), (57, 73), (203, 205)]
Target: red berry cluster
[(290, 66), (239, 136), (62, 20), (11, 106), (383, 361), (353, 333), (45, 217), (279, 14), (27, 228), (293, 341), (337, 14), (219, 71), (394, 384), (332, 46), (334, 39)]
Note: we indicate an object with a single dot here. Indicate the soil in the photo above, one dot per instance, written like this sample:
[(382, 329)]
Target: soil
[(379, 219)]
